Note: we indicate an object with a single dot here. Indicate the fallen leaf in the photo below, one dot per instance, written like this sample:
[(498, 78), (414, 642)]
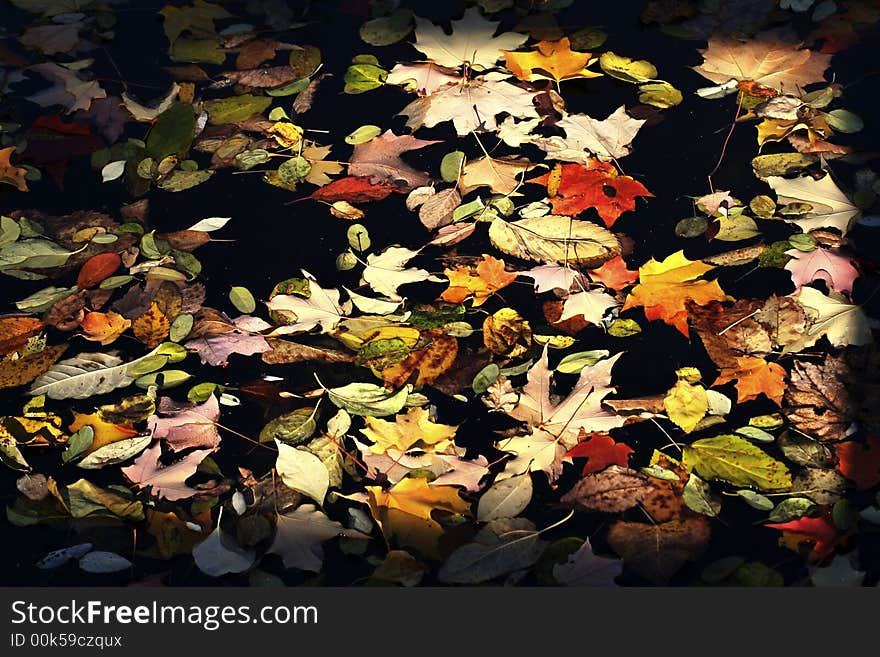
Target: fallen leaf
[(553, 60), (600, 450), (414, 429), (606, 139), (754, 376), (165, 481), (821, 264), (300, 535), (480, 282), (615, 489), (11, 174), (736, 461), (657, 552), (379, 159)]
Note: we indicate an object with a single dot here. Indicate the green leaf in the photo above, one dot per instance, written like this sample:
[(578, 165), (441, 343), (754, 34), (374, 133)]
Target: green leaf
[(574, 363), (78, 443), (180, 327), (803, 242), (44, 299), (781, 164), (755, 500), (624, 328), (485, 378), (206, 51), (450, 166), (292, 428), (292, 87), (178, 181), (791, 509), (626, 69), (358, 237), (250, 159), (368, 399), (844, 121), (163, 380), (388, 29), (294, 170), (755, 434), (242, 299), (736, 461), (698, 497), (201, 392), (363, 77), (659, 94), (173, 132), (363, 134), (235, 108)]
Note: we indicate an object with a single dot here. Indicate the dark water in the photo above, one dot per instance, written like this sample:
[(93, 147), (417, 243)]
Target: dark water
[(273, 241)]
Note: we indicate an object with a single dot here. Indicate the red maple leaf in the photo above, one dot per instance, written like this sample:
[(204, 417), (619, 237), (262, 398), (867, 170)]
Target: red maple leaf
[(614, 274), (354, 189), (859, 462), (601, 451), (596, 185), (820, 531)]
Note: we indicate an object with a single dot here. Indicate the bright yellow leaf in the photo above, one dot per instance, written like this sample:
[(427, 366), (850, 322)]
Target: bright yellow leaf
[(686, 404), (411, 429)]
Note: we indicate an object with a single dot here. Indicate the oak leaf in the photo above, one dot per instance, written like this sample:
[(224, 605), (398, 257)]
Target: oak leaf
[(666, 286)]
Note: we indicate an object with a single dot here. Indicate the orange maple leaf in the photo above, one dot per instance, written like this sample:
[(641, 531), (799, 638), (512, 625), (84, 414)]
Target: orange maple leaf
[(595, 185), (9, 173), (601, 451), (551, 60), (754, 376), (665, 287), (481, 281), (614, 274), (821, 532)]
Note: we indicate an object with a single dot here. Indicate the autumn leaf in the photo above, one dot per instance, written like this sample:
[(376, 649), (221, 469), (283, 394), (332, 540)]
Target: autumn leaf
[(737, 461), (686, 404), (16, 330), (600, 450), (405, 512), (817, 401), (554, 60), (105, 432), (614, 274), (821, 264), (479, 282), (767, 60), (104, 328), (664, 287), (501, 176), (731, 332), (165, 481), (11, 174), (820, 533), (615, 489), (429, 359), (594, 185), (413, 429), (586, 137), (152, 327), (379, 159), (658, 551), (859, 462), (97, 268), (354, 189), (20, 371), (754, 376)]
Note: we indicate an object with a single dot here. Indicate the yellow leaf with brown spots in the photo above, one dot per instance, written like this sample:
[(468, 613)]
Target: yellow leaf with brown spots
[(152, 327), (506, 333), (19, 371), (428, 360)]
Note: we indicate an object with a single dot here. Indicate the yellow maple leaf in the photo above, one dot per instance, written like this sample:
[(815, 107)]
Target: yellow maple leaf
[(411, 429), (105, 432), (665, 287), (755, 376), (481, 281), (552, 60), (404, 512)]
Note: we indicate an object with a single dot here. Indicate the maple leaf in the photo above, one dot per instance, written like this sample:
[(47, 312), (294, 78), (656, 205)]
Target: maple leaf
[(820, 532), (471, 105), (473, 41), (830, 207), (614, 274), (385, 271), (765, 59), (11, 174), (300, 534), (600, 450), (593, 185), (831, 267), (607, 139), (755, 376), (413, 429), (550, 60), (165, 481), (841, 322), (557, 426), (480, 282), (583, 568), (379, 159), (665, 287), (449, 469), (552, 277), (501, 176), (68, 90), (590, 304), (859, 462), (189, 425), (424, 79), (404, 512), (320, 309), (240, 337)]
